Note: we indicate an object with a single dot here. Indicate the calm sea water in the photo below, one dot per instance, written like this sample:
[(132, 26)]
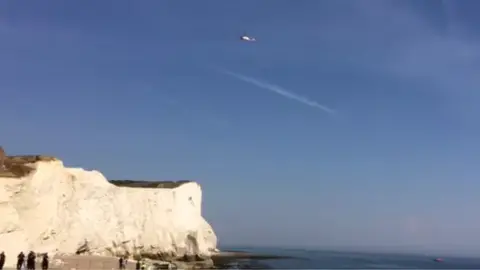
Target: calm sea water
[(311, 259)]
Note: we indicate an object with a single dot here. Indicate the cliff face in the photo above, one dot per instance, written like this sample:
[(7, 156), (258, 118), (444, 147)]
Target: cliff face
[(46, 207)]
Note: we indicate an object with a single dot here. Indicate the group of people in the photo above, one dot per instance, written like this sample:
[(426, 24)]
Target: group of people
[(30, 262), (122, 264)]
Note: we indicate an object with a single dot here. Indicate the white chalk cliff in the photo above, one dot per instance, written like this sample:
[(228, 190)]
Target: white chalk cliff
[(56, 209)]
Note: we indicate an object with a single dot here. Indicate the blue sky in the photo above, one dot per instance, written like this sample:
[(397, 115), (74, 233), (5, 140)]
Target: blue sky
[(144, 90)]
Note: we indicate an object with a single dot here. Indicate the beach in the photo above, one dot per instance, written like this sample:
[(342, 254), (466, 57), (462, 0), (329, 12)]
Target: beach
[(83, 262)]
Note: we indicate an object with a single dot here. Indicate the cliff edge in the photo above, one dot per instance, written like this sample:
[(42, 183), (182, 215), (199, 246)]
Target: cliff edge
[(46, 207)]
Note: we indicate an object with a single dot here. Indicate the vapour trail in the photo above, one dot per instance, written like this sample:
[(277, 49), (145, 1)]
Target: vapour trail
[(278, 90)]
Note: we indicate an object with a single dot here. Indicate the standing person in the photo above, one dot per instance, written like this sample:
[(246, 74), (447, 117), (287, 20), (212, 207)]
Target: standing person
[(2, 260), (20, 260), (45, 261), (137, 265), (31, 261), (3, 156), (120, 263)]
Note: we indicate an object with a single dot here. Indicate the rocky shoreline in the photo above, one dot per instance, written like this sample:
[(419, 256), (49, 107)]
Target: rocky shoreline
[(220, 260)]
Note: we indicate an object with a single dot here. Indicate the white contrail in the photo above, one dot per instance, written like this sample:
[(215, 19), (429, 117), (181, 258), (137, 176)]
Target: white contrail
[(279, 90)]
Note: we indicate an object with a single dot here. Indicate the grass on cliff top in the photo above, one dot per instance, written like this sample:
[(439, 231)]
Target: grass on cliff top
[(148, 184), (18, 166)]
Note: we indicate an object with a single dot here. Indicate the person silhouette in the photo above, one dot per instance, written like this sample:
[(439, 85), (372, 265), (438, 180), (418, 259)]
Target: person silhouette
[(120, 263), (2, 260), (45, 261), (3, 156), (20, 260), (31, 260)]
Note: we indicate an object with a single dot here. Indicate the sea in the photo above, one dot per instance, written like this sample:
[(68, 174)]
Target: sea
[(318, 259)]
